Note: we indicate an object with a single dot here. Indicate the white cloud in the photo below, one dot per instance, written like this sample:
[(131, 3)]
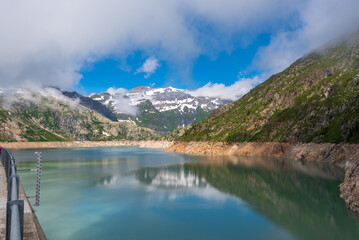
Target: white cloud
[(121, 103), (232, 92), (149, 67), (321, 20), (117, 91), (47, 42), (34, 94)]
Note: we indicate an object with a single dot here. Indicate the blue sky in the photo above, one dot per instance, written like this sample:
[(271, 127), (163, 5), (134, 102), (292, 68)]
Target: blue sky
[(223, 67), (221, 47)]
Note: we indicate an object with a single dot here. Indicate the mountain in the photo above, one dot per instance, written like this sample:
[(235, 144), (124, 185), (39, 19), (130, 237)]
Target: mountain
[(48, 115), (316, 99), (160, 109), (92, 104), (169, 98)]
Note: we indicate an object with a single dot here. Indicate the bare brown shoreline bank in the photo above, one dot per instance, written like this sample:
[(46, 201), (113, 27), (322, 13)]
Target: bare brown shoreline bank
[(343, 155), (29, 145), (338, 154)]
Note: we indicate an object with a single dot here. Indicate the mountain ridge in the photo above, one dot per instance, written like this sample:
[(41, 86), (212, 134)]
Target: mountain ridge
[(48, 115), (161, 109), (314, 100), (92, 104)]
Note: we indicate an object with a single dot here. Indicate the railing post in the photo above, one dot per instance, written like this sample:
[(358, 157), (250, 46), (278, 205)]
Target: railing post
[(15, 207), (15, 220), (13, 187), (6, 165), (2, 157)]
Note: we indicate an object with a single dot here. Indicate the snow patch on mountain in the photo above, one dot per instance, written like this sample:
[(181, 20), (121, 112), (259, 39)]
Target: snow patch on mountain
[(169, 98), (161, 109)]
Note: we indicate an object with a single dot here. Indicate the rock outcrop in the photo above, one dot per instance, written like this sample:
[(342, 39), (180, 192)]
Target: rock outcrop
[(350, 187)]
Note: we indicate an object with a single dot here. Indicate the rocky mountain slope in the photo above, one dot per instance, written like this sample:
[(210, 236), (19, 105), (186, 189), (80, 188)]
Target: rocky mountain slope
[(161, 109), (316, 99), (92, 104), (54, 117)]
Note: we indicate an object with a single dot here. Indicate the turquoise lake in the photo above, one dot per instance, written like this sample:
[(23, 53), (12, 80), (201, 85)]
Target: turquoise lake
[(138, 193)]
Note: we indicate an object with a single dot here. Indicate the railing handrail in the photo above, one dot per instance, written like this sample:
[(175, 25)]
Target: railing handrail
[(15, 207)]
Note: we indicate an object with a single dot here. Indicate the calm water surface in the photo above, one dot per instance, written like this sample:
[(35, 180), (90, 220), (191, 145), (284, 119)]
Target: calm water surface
[(136, 193)]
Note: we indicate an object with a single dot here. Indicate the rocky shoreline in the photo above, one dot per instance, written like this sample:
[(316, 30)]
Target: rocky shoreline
[(343, 155), (29, 145)]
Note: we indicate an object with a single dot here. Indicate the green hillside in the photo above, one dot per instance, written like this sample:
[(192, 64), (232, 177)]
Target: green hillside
[(316, 99), (164, 122), (48, 119)]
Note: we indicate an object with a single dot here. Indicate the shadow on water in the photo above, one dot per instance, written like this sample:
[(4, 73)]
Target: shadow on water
[(303, 198)]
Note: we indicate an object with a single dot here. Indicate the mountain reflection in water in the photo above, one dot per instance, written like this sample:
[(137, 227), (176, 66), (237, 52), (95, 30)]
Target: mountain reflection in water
[(301, 197), (136, 193)]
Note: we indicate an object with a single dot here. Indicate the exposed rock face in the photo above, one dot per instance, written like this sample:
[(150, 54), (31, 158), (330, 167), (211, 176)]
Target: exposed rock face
[(92, 104), (350, 187), (243, 149), (338, 154), (342, 155)]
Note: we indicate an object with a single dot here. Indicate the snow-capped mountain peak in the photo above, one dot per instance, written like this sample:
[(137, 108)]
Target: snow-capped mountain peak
[(161, 109), (169, 98)]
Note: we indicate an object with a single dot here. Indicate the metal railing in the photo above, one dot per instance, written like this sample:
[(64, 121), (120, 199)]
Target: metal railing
[(15, 207)]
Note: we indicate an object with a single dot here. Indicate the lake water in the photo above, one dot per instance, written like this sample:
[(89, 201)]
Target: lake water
[(137, 193)]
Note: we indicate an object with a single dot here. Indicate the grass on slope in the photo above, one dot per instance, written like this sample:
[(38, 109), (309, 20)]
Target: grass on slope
[(315, 99)]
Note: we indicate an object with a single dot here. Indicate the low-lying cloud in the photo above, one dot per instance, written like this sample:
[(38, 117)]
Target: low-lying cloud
[(232, 92), (122, 103), (321, 21), (35, 95)]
